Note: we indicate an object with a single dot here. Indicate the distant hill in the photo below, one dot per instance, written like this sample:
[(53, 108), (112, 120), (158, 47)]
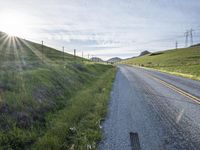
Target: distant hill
[(113, 60), (96, 59), (141, 54), (195, 45), (144, 53)]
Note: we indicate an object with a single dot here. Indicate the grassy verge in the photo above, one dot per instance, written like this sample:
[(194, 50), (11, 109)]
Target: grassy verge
[(37, 82), (32, 99), (194, 77), (77, 125), (182, 62)]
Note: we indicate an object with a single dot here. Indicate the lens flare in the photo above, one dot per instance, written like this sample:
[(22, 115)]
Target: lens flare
[(14, 24)]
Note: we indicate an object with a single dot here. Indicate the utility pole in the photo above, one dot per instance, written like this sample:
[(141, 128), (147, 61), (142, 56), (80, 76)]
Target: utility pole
[(191, 37), (74, 53), (63, 53), (186, 38), (82, 55), (176, 45), (42, 49)]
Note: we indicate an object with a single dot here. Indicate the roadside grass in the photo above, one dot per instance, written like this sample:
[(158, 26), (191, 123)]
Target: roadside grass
[(77, 125), (35, 85), (182, 62)]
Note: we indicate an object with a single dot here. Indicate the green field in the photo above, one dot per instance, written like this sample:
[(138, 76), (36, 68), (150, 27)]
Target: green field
[(49, 100), (183, 62)]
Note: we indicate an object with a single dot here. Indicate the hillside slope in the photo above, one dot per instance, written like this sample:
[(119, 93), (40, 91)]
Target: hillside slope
[(184, 62), (35, 83), (114, 60)]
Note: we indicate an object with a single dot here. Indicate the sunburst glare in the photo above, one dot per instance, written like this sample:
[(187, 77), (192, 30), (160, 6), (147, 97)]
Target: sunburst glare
[(14, 24)]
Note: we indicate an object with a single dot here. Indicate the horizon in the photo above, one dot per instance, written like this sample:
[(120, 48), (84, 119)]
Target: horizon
[(104, 29)]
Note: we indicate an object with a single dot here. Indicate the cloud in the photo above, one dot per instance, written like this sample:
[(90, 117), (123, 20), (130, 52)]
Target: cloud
[(108, 27)]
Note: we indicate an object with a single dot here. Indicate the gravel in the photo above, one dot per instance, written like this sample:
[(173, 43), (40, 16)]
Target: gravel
[(163, 118)]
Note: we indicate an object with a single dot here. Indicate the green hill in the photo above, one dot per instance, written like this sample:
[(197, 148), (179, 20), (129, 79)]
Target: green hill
[(184, 62), (40, 86)]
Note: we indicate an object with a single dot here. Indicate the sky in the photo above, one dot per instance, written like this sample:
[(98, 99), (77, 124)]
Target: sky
[(103, 28)]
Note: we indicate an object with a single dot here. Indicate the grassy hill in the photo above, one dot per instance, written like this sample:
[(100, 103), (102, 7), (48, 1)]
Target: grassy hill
[(184, 62), (114, 60), (45, 94)]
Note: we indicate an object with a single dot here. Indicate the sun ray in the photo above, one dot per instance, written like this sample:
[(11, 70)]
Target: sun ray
[(19, 63), (22, 55), (3, 49), (16, 54), (10, 55), (41, 56), (3, 36), (27, 53), (3, 40)]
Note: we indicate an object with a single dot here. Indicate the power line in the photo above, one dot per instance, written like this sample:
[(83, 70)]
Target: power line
[(191, 37)]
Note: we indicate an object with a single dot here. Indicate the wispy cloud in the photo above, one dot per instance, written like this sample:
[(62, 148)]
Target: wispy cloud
[(108, 27)]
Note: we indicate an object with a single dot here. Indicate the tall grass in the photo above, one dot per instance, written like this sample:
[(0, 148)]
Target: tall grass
[(77, 125), (36, 85), (183, 62)]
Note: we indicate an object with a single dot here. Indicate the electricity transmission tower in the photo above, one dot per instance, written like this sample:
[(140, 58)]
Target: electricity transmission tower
[(176, 45), (186, 38), (191, 36)]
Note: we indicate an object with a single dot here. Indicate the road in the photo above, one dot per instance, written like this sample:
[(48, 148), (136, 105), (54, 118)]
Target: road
[(146, 102)]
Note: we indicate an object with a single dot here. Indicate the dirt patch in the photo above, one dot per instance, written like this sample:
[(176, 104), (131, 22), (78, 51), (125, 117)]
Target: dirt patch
[(23, 120), (40, 93), (4, 108), (6, 86), (79, 67), (38, 116)]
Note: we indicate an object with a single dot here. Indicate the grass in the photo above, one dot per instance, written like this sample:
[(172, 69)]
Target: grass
[(43, 94), (182, 62), (77, 125)]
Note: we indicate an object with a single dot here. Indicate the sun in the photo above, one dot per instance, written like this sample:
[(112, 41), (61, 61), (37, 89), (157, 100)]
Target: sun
[(13, 23)]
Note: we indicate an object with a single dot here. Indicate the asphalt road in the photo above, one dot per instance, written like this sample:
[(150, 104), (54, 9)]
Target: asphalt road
[(162, 117)]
